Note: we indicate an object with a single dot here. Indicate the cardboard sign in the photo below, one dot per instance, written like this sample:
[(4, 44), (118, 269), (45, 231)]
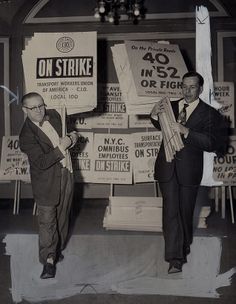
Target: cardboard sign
[(81, 156), (134, 104), (112, 159), (111, 109), (14, 163), (145, 148), (157, 68), (110, 112), (224, 94), (62, 67), (224, 168)]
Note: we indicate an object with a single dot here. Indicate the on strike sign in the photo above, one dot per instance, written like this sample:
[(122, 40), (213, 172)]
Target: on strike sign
[(112, 159), (157, 68)]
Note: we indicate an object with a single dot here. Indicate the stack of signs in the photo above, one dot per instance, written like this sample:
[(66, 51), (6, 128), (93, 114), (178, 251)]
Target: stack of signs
[(141, 214), (134, 104), (134, 213), (62, 67), (148, 71), (172, 139)]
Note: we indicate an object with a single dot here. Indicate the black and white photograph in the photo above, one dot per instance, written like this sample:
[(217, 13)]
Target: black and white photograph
[(117, 152)]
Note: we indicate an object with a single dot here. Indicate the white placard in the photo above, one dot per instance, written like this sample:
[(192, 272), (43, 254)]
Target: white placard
[(14, 163), (62, 67), (145, 148), (134, 104), (110, 112), (224, 168), (157, 68), (224, 94), (81, 156), (112, 159)]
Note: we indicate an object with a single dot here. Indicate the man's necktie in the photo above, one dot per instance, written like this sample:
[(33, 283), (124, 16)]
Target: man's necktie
[(183, 115)]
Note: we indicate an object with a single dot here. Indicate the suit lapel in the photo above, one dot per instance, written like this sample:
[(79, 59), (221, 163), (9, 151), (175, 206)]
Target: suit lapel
[(197, 114), (175, 107), (53, 119), (40, 134)]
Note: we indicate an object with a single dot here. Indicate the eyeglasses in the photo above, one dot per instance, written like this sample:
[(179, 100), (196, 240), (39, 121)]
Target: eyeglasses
[(35, 109)]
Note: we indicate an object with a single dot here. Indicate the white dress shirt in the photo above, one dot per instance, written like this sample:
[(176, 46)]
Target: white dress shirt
[(53, 136)]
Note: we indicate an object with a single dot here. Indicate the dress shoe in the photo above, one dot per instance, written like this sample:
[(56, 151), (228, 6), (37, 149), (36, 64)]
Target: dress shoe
[(49, 271), (175, 266), (186, 250), (61, 257), (184, 260)]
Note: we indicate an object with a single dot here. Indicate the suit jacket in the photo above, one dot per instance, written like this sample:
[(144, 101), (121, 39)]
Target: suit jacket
[(44, 160), (203, 136)]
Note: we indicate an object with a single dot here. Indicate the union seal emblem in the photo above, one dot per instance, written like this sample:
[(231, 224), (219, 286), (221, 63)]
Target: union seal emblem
[(65, 44)]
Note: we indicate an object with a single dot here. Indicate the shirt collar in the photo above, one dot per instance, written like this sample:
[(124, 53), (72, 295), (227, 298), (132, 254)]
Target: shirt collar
[(40, 124), (195, 102)]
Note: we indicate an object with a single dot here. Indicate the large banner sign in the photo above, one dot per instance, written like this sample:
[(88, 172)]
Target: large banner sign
[(112, 159), (157, 68), (224, 94), (110, 112), (145, 148), (62, 67), (14, 163), (224, 168), (81, 156)]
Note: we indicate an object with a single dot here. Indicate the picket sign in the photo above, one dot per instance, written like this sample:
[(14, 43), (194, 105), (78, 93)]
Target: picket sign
[(111, 185), (223, 201), (14, 165)]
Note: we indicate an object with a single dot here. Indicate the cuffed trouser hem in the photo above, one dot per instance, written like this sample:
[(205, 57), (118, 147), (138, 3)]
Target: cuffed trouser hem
[(48, 234), (54, 221)]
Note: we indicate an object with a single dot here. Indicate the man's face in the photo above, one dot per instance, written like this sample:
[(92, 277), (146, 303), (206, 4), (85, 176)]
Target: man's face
[(34, 108), (191, 89)]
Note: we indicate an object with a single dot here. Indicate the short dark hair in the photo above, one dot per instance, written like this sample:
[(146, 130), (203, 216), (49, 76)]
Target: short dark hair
[(194, 74), (30, 95)]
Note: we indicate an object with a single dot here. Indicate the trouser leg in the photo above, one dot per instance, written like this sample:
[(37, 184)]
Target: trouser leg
[(188, 195), (172, 224), (48, 234), (64, 207)]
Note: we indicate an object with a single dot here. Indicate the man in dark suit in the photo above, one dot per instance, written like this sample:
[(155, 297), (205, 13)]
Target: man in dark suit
[(179, 179), (51, 177)]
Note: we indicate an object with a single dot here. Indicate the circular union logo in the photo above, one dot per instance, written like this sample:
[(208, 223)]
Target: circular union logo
[(65, 44)]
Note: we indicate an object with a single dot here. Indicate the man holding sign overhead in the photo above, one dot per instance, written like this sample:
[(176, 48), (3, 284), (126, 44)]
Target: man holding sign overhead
[(51, 177), (200, 127)]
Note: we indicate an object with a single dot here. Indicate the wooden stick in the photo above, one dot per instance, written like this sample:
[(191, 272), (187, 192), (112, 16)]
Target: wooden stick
[(231, 203)]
